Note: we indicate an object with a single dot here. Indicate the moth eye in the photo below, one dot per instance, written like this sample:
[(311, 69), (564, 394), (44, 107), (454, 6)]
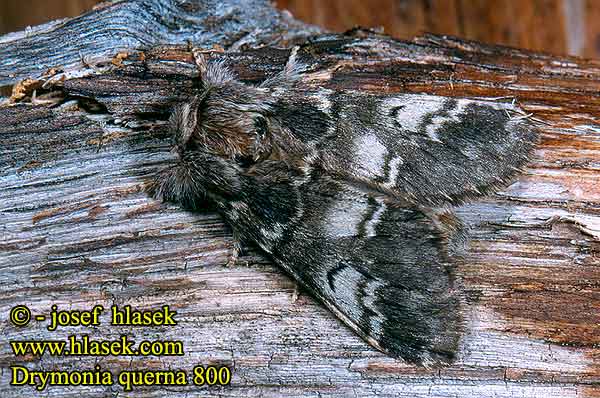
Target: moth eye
[(261, 126), (245, 161)]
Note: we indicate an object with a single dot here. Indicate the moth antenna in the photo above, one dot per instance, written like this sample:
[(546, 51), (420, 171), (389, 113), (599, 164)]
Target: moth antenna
[(290, 74), (200, 61), (212, 73), (293, 66), (217, 73)]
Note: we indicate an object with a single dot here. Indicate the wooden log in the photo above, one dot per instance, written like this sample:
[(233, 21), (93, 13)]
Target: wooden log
[(96, 36), (78, 229)]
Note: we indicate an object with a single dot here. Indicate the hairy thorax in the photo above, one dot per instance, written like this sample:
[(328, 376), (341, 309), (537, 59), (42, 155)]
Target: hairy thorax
[(233, 126)]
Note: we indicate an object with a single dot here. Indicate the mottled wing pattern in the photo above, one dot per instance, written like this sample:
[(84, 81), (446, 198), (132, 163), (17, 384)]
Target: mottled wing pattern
[(343, 190), (381, 269), (429, 149)]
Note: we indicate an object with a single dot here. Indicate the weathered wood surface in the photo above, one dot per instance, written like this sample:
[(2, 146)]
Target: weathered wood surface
[(555, 26), (96, 36), (78, 230)]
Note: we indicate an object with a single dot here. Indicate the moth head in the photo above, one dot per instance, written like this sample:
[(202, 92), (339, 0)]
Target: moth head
[(232, 121), (229, 118)]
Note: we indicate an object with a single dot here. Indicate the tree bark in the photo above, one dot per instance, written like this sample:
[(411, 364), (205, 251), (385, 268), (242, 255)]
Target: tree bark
[(82, 136)]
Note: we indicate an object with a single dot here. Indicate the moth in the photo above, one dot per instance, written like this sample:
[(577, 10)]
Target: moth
[(350, 192)]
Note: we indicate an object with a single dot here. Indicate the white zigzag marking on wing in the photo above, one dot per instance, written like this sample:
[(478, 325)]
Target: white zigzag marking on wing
[(372, 223)]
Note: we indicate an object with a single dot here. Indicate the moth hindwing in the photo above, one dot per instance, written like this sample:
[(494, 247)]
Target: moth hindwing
[(349, 192)]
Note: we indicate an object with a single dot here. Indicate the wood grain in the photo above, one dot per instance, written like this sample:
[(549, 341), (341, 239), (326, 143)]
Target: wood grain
[(557, 26), (138, 24), (78, 229)]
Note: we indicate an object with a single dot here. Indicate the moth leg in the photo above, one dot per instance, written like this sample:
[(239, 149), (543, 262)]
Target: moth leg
[(175, 184), (237, 250), (295, 293)]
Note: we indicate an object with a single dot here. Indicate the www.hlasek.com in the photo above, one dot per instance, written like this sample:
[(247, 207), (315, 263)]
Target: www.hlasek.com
[(83, 345)]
